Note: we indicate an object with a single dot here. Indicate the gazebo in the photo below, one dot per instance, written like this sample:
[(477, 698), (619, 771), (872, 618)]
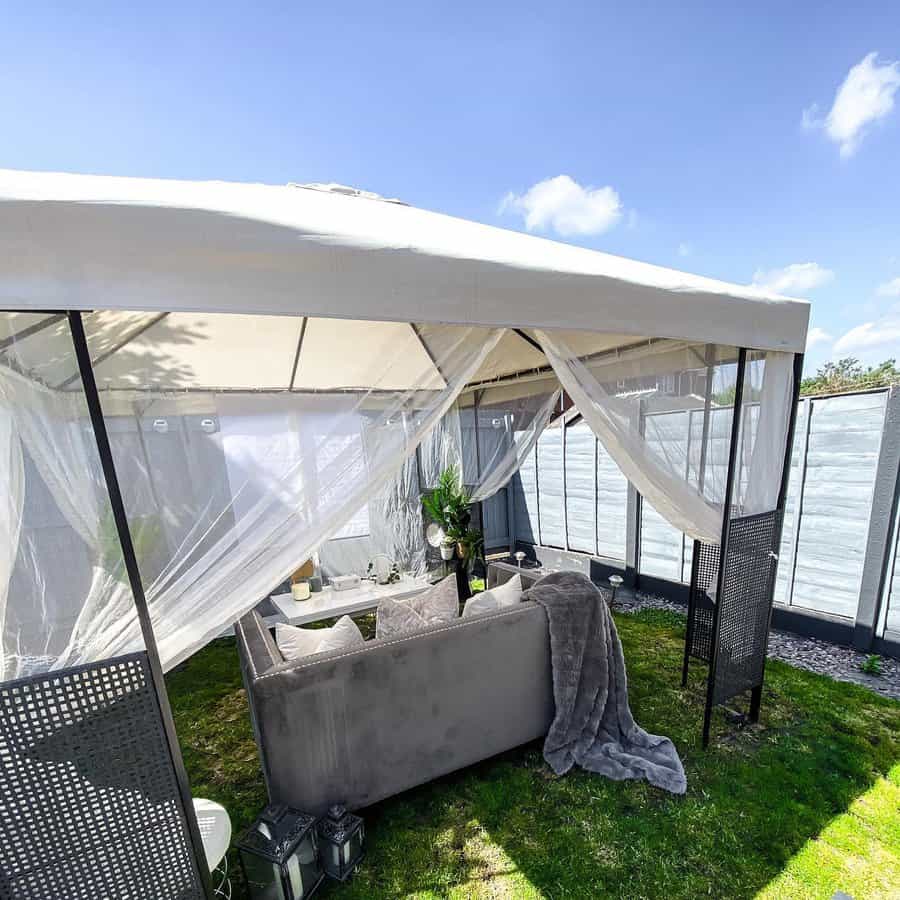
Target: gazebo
[(300, 350)]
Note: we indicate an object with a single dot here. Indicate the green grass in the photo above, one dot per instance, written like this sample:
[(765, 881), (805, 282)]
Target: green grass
[(804, 804)]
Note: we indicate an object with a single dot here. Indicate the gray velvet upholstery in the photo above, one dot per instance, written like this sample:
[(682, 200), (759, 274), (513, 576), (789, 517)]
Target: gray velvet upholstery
[(360, 725)]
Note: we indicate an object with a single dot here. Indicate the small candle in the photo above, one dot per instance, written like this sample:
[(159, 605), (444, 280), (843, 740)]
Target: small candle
[(300, 590)]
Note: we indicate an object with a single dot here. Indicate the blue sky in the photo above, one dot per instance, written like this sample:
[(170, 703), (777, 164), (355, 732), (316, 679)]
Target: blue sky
[(692, 135)]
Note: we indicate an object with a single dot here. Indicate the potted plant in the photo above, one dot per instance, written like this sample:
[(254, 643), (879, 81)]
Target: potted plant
[(448, 505), (470, 544)]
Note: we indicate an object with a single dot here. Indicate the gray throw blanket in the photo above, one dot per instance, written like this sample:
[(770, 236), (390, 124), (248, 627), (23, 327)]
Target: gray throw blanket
[(593, 725)]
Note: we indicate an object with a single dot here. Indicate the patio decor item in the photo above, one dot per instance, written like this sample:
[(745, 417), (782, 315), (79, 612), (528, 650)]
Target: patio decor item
[(593, 726), (341, 836), (266, 366), (615, 582), (280, 857)]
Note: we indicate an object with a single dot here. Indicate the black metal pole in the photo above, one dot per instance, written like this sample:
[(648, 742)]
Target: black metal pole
[(85, 368), (756, 694), (723, 544), (695, 556)]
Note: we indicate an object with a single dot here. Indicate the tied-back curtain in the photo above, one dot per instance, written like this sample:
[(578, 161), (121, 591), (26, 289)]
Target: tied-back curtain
[(227, 492), (663, 411)]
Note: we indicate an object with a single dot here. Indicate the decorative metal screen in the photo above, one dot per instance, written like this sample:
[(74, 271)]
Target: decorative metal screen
[(89, 802), (704, 573), (745, 604)]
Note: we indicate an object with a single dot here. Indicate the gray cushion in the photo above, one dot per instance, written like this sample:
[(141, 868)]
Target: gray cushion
[(435, 606)]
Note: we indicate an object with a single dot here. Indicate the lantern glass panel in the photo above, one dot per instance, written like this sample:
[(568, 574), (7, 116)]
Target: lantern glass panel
[(341, 839), (280, 857), (263, 878)]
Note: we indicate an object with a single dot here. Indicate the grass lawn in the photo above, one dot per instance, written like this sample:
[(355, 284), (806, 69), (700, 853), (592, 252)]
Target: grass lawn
[(804, 804)]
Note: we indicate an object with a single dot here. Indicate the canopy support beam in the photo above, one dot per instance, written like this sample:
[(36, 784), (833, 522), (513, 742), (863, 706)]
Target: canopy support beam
[(701, 476), (427, 349), (299, 350), (114, 349), (723, 543), (83, 356), (34, 328)]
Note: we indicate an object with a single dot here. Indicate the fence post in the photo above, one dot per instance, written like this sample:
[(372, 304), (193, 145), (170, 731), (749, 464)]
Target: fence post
[(803, 438), (633, 519), (881, 526)]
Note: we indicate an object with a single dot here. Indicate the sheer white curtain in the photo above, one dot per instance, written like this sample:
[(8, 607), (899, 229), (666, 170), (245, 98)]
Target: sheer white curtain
[(63, 550), (227, 493), (12, 485), (513, 428), (635, 402)]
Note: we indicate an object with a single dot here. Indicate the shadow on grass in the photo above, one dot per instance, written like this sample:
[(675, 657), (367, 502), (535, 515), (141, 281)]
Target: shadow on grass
[(508, 827)]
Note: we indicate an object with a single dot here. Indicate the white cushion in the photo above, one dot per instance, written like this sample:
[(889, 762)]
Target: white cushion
[(344, 633), (508, 594), (435, 606), (294, 642)]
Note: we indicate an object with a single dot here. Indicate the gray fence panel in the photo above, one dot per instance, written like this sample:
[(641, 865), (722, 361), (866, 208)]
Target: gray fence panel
[(612, 500), (550, 487), (525, 500), (784, 581), (581, 483), (661, 545), (496, 521), (844, 440), (890, 621)]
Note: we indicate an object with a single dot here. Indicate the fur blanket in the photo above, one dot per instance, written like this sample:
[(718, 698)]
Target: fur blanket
[(593, 726)]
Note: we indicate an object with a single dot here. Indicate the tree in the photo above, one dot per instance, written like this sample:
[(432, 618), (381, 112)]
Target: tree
[(848, 374)]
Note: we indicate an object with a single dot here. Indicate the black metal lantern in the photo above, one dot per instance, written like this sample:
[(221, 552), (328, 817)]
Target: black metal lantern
[(279, 855), (340, 842)]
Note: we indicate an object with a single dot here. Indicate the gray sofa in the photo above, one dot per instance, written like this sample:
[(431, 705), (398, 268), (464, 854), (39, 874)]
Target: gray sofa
[(360, 725)]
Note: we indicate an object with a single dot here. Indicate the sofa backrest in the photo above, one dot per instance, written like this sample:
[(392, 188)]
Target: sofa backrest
[(358, 725)]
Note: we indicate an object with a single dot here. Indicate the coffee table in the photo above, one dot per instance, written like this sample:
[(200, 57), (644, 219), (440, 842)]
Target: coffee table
[(330, 604)]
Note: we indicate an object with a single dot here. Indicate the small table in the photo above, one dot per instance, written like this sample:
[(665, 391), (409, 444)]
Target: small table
[(330, 604)]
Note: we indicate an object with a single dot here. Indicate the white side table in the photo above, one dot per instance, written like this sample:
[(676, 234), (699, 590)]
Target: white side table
[(215, 832), (330, 604)]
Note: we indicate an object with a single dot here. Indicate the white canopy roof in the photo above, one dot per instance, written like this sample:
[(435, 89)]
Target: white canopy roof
[(91, 242)]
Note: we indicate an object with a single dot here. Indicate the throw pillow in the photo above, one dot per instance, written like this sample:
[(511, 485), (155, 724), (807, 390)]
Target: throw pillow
[(432, 607), (508, 594), (294, 642), (396, 617), (439, 603)]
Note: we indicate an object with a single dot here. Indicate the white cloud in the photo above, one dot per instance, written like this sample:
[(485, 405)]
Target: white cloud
[(684, 249), (564, 206), (889, 288), (797, 278), (883, 335), (817, 336), (865, 96)]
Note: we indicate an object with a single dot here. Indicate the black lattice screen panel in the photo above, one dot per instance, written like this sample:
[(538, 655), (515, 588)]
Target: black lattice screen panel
[(745, 605), (704, 574), (731, 632), (89, 802)]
